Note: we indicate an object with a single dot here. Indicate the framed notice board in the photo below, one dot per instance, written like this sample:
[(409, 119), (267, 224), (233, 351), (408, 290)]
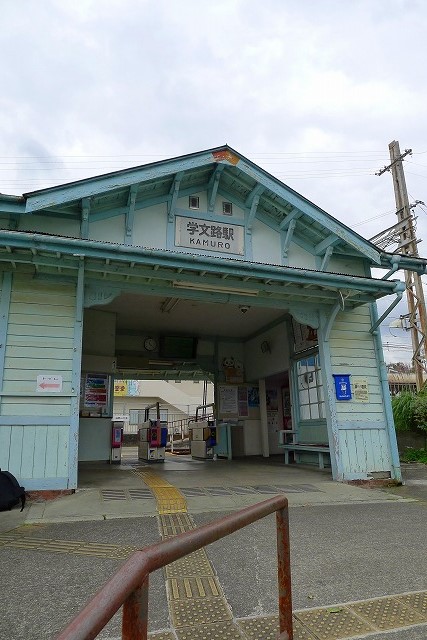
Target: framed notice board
[(238, 401)]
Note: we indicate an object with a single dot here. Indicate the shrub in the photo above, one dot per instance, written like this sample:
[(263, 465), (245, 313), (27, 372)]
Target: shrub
[(410, 414), (403, 411), (419, 410), (414, 455)]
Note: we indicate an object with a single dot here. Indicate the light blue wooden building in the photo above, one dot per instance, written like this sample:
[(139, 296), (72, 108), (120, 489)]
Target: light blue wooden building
[(201, 265)]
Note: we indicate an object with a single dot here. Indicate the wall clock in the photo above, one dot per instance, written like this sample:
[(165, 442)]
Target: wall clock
[(150, 344)]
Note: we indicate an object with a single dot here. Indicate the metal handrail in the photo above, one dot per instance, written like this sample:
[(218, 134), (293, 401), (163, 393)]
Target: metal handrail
[(204, 407), (151, 406), (129, 585)]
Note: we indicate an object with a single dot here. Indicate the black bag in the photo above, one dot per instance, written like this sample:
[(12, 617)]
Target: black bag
[(10, 492)]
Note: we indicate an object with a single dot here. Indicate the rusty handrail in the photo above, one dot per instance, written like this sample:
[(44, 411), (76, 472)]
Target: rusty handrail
[(129, 585)]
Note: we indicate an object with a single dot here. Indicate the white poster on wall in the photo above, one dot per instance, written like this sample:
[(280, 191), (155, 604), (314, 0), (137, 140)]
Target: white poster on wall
[(49, 384), (228, 401)]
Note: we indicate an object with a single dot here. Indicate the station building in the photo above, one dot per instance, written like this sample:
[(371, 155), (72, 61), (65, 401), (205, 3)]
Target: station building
[(201, 266)]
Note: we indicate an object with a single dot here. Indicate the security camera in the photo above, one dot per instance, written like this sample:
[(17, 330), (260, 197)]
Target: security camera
[(243, 308)]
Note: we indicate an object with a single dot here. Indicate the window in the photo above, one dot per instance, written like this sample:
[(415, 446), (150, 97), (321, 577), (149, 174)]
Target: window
[(310, 389), (194, 202), (136, 416), (227, 208)]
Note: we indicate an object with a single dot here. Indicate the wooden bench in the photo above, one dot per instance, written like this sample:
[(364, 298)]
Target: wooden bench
[(321, 450), (305, 447)]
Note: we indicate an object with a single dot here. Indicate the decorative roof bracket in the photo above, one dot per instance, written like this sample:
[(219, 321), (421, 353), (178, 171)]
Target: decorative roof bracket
[(330, 241), (252, 213), (288, 239), (325, 261), (256, 191), (174, 192), (293, 215), (213, 186), (84, 226), (130, 213)]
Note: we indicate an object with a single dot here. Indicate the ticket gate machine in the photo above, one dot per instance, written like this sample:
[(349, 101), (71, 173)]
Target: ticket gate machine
[(116, 442), (202, 432), (152, 437)]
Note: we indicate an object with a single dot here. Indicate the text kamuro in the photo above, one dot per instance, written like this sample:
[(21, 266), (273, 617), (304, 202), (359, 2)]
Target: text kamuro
[(210, 243)]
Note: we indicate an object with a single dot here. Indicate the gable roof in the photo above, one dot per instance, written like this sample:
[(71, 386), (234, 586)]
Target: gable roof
[(220, 170)]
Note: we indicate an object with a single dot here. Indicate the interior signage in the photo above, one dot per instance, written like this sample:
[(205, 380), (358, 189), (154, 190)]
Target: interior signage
[(196, 233)]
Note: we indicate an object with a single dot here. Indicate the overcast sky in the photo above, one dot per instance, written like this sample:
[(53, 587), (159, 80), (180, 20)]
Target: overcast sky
[(311, 90)]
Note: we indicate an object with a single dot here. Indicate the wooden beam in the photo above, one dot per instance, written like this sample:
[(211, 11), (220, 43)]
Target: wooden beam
[(256, 191), (84, 225), (103, 184), (288, 239), (174, 192), (327, 242), (130, 214), (294, 215), (252, 213), (213, 186), (329, 251)]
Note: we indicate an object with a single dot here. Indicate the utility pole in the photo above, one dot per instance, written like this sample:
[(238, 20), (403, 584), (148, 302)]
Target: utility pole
[(408, 245)]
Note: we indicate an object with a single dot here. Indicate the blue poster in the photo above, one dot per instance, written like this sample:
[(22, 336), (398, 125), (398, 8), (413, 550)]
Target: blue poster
[(342, 386)]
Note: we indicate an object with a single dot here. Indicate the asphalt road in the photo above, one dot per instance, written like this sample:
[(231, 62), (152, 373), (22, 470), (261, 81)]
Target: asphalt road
[(339, 553)]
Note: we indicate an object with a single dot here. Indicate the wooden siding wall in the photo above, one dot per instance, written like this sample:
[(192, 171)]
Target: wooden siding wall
[(35, 426), (363, 438)]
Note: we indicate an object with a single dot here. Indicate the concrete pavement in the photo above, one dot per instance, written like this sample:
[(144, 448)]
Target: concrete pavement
[(348, 544)]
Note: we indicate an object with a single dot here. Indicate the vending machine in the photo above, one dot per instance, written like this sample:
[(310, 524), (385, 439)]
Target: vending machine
[(116, 442), (202, 432), (152, 437)]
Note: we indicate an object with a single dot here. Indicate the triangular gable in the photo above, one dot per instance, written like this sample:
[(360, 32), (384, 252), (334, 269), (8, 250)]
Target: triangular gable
[(221, 170)]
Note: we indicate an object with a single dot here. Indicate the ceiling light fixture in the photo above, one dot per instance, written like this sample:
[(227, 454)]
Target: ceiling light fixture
[(213, 288), (168, 304)]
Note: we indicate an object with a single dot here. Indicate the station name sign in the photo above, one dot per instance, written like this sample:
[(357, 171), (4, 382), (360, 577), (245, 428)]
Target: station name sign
[(196, 233)]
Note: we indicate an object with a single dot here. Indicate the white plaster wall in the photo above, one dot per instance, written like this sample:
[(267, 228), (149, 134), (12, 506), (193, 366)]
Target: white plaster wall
[(183, 203), (349, 266), (298, 257), (57, 226), (110, 230), (150, 227), (233, 350), (265, 244), (261, 365), (238, 212)]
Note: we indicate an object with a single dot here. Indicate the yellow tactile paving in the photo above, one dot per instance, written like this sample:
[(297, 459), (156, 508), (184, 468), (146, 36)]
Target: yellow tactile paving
[(417, 601), (174, 523), (75, 547), (227, 630), (334, 623), (195, 598), (193, 587), (169, 499), (387, 613), (199, 609), (153, 479)]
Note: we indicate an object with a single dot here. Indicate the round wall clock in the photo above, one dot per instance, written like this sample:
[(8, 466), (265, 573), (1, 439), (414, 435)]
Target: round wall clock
[(150, 344)]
